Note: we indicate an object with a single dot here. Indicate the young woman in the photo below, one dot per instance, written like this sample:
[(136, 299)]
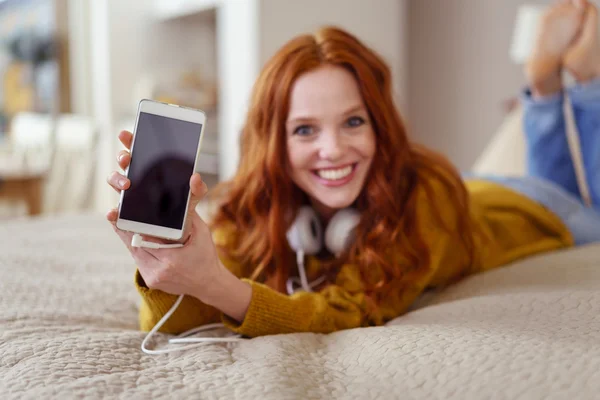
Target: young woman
[(322, 131)]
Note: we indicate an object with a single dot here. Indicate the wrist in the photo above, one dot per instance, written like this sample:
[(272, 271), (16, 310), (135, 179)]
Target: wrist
[(212, 285), (587, 76), (227, 293)]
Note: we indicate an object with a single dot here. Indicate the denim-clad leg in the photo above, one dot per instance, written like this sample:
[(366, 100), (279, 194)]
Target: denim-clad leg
[(551, 178), (586, 109), (548, 155), (547, 149)]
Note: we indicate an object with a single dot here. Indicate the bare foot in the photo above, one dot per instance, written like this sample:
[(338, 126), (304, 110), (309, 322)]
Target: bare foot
[(557, 30), (582, 59)]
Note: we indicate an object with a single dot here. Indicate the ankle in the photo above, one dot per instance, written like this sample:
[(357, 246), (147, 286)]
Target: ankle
[(586, 76), (546, 85), (546, 90)]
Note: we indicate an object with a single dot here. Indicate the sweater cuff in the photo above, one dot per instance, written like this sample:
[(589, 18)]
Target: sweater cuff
[(158, 301), (271, 313)]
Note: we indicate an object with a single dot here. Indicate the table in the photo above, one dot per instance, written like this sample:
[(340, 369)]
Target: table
[(25, 187)]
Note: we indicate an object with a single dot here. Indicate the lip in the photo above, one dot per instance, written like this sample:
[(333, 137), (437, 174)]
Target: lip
[(338, 182)]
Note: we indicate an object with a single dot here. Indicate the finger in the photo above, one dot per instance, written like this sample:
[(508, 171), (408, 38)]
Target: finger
[(124, 236), (195, 222), (198, 189), (118, 181), (112, 216), (123, 159), (141, 256), (126, 138)]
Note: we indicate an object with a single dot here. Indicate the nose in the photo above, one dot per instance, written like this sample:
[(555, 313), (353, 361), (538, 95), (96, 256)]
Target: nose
[(331, 146)]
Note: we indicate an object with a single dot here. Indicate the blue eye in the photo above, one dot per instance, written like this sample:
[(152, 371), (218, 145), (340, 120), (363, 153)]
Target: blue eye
[(303, 130), (353, 122)]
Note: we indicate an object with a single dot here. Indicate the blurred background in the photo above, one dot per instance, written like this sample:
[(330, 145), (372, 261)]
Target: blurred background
[(73, 71)]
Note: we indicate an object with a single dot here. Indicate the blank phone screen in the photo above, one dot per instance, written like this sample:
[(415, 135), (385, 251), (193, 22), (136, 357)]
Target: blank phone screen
[(162, 163)]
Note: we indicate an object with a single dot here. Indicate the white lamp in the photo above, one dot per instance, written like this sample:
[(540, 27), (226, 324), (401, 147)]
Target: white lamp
[(528, 17)]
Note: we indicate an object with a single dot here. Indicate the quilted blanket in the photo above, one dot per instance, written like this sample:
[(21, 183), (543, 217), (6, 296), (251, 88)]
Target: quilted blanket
[(68, 329)]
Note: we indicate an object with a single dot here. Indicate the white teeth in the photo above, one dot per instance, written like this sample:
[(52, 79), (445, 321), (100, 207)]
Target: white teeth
[(335, 174)]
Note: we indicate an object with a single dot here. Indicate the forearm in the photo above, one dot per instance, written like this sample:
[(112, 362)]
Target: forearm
[(229, 294)]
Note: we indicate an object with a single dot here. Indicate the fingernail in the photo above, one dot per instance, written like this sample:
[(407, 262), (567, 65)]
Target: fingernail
[(121, 157), (122, 182)]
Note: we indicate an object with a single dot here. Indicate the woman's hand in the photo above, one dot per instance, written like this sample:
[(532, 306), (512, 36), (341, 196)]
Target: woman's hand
[(193, 269)]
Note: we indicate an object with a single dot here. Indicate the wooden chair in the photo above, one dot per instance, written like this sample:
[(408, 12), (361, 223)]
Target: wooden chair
[(25, 162), (50, 163)]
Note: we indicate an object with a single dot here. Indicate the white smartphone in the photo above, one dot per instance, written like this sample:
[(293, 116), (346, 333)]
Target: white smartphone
[(164, 154)]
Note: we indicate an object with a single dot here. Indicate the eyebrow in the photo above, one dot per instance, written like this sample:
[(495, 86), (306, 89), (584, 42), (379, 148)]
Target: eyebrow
[(358, 107)]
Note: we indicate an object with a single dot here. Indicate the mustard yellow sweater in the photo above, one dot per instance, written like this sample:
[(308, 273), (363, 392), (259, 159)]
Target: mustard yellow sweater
[(518, 227)]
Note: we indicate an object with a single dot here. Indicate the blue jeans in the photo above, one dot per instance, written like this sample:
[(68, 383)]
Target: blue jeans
[(551, 178)]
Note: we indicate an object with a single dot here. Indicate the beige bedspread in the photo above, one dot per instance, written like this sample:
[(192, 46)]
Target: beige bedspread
[(68, 313)]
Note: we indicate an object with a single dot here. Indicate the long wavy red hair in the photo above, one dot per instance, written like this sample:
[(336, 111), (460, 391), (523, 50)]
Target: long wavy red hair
[(261, 198)]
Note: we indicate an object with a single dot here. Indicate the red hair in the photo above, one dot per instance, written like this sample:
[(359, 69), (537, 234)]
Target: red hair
[(261, 199)]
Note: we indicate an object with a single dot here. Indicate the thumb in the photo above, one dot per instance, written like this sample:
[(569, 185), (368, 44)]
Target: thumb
[(199, 190)]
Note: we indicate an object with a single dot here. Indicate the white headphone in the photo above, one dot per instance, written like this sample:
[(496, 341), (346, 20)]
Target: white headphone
[(306, 234)]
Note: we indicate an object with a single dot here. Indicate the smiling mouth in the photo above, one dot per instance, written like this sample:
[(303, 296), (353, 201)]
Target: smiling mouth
[(335, 174)]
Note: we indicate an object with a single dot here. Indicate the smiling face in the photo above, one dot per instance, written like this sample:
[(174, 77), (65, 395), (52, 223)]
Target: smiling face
[(330, 140)]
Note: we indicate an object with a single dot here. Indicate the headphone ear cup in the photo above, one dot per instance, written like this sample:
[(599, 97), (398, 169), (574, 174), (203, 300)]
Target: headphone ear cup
[(306, 233), (340, 230)]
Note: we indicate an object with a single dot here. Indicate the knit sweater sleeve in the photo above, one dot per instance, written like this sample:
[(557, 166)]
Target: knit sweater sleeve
[(335, 308)]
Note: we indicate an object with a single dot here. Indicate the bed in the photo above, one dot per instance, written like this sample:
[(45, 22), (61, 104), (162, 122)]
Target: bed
[(68, 328)]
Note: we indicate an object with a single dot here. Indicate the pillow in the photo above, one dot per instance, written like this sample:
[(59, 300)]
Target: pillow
[(505, 154)]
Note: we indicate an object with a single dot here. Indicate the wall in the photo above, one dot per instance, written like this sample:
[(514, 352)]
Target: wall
[(238, 43), (381, 24), (460, 72), (126, 44), (250, 32)]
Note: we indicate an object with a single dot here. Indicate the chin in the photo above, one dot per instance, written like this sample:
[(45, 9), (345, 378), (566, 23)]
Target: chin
[(336, 201)]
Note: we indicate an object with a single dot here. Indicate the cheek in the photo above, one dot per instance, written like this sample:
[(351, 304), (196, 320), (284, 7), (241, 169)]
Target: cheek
[(298, 157), (368, 145)]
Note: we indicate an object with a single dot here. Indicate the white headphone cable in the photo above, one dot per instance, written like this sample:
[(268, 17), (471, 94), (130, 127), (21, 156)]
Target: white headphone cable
[(303, 280), (137, 241), (182, 338)]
